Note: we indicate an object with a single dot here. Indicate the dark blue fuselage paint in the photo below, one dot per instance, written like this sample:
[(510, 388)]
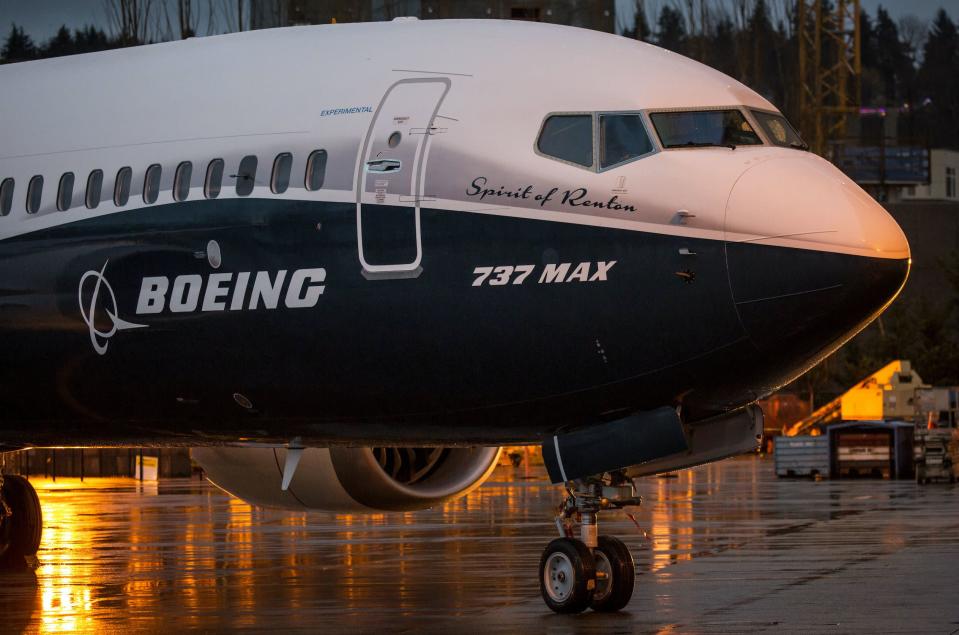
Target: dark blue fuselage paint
[(429, 358)]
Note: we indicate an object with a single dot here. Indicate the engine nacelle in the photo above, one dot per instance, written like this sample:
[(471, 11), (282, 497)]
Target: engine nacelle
[(342, 479)]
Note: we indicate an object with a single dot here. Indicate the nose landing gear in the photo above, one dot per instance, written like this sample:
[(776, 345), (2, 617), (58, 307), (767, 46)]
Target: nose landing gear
[(21, 521), (594, 571)]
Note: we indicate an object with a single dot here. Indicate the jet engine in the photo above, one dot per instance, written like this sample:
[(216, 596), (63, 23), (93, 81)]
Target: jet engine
[(347, 479)]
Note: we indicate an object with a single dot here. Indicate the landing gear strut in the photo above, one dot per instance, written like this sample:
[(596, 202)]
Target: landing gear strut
[(593, 571), (21, 521)]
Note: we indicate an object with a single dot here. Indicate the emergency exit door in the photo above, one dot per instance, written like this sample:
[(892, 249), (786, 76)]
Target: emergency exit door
[(390, 178)]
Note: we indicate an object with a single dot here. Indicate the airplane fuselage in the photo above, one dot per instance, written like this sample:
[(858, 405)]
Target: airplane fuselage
[(424, 271)]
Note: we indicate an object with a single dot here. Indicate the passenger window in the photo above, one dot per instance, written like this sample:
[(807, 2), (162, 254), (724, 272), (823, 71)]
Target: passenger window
[(281, 173), (246, 176), (704, 128), (151, 184), (214, 179), (65, 192), (34, 193), (568, 138), (621, 138), (316, 170), (94, 188), (121, 190), (6, 196), (181, 181)]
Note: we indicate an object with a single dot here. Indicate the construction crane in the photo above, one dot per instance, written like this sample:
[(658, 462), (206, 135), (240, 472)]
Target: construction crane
[(830, 69), (889, 393)]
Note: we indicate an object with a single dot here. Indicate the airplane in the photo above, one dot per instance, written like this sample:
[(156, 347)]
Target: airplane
[(347, 263)]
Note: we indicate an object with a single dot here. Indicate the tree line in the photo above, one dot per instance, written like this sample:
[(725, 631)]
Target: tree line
[(909, 65), (132, 23)]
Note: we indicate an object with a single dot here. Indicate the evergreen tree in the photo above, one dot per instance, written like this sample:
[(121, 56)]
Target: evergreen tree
[(939, 80), (872, 87), (671, 30), (893, 64), (18, 47), (722, 48), (640, 25), (60, 44), (869, 47), (90, 39), (760, 36)]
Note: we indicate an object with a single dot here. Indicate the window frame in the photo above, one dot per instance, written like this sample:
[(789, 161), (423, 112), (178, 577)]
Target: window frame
[(743, 110), (240, 177), (274, 188), (567, 113), (7, 186), (208, 192), (761, 130), (177, 176), (35, 181), (308, 172), (596, 168), (597, 143), (117, 180), (146, 183), (98, 173), (65, 191)]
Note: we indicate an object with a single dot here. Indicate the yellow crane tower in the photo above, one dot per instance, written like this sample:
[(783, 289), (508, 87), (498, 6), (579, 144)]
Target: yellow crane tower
[(830, 69)]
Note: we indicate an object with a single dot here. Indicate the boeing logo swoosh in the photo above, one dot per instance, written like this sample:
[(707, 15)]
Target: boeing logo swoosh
[(101, 339)]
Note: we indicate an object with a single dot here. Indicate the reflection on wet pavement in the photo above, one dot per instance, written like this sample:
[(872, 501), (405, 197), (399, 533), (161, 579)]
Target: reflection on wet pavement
[(725, 547)]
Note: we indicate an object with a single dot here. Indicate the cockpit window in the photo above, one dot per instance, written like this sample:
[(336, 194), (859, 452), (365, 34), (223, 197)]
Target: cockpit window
[(568, 138), (778, 130), (727, 128), (621, 138)]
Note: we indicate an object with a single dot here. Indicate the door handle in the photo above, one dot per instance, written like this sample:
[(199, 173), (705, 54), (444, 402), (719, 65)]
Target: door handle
[(383, 165)]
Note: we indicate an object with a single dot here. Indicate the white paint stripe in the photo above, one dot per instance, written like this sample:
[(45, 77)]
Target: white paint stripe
[(19, 223), (559, 459)]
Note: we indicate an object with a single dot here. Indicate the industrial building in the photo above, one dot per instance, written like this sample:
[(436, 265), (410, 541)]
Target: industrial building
[(943, 166)]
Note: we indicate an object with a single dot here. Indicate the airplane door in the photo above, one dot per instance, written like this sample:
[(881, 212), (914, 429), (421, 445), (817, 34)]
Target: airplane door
[(390, 178)]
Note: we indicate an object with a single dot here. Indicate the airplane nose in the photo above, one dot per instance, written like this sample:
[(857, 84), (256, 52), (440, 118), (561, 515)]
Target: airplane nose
[(812, 258)]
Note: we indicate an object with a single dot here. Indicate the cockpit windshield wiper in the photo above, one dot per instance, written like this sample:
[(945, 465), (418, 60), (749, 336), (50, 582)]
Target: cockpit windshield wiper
[(701, 144), (799, 145)]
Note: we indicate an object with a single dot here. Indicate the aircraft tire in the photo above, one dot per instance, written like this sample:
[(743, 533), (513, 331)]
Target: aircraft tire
[(614, 559), (23, 529), (567, 575)]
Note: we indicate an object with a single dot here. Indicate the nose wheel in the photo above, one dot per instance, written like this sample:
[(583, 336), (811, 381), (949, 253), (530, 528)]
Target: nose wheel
[(567, 575), (592, 571)]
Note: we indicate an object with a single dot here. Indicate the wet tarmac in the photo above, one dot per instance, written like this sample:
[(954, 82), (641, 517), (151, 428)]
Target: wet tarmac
[(724, 548)]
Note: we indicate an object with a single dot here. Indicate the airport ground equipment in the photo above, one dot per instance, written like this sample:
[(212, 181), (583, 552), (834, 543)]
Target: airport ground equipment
[(21, 521), (852, 448), (936, 453), (871, 448), (937, 407), (887, 394), (802, 455)]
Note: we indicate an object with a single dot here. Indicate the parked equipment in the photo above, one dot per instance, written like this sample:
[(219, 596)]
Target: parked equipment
[(937, 407), (802, 456), (936, 453), (881, 449)]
